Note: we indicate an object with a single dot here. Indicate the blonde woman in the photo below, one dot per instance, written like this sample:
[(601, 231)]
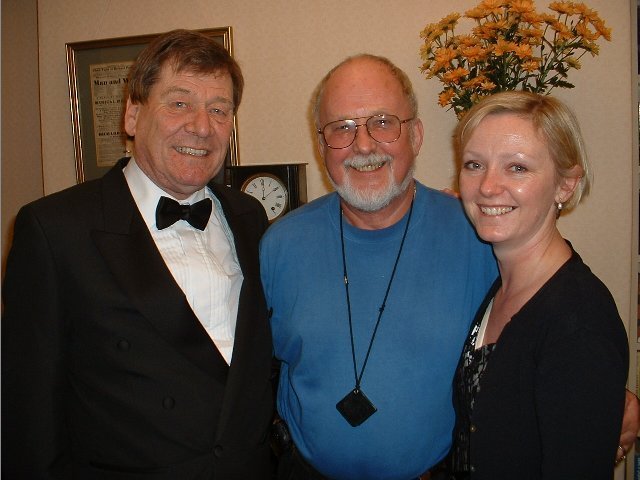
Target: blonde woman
[(540, 387)]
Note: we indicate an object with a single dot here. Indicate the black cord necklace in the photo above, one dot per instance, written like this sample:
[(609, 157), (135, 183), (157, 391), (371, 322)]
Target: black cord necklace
[(355, 407)]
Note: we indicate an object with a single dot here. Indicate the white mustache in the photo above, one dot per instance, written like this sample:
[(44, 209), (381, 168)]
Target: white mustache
[(360, 161)]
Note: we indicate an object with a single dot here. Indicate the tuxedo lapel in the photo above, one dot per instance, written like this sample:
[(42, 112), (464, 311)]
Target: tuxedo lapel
[(134, 260), (252, 343)]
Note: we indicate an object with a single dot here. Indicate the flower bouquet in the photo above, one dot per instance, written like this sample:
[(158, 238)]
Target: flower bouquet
[(511, 47)]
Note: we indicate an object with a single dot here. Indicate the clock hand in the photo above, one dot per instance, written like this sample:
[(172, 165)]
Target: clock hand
[(264, 198)]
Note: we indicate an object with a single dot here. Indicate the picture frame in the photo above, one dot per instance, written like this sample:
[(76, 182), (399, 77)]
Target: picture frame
[(97, 73)]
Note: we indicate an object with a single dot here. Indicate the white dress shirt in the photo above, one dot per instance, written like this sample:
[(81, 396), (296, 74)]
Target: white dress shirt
[(203, 263)]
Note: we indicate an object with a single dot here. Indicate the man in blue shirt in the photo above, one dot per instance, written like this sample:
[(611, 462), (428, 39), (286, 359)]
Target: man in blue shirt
[(372, 290)]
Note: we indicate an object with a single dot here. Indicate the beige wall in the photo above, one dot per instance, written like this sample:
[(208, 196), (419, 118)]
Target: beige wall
[(285, 46), (22, 165)]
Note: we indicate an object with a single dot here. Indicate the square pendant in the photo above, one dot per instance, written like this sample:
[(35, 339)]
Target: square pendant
[(356, 407)]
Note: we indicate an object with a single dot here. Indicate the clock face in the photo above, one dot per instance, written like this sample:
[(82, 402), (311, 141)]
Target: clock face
[(270, 191)]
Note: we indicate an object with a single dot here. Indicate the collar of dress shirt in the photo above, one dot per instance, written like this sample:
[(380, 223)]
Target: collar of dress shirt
[(146, 193)]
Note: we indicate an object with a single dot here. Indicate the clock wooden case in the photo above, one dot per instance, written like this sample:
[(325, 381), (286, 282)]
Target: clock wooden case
[(278, 187)]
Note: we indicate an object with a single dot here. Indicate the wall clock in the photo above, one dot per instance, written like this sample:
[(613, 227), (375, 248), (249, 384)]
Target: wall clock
[(278, 187)]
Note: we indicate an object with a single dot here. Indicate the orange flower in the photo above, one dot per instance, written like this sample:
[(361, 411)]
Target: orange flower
[(586, 12), (448, 22), (602, 29), (582, 29), (426, 66), (503, 47), (563, 32), (429, 30), (425, 51), (488, 86), (521, 6), (446, 96), (530, 65), (477, 13), (482, 33), (563, 8), (474, 53), (454, 76), (468, 41), (474, 82), (493, 6), (533, 35), (490, 30), (500, 24), (532, 18), (443, 57), (522, 50)]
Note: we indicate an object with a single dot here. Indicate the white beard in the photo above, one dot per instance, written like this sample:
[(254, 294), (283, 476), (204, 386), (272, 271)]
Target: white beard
[(369, 200)]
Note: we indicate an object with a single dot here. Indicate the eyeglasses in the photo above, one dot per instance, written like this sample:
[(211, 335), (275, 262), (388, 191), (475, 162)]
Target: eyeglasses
[(382, 128)]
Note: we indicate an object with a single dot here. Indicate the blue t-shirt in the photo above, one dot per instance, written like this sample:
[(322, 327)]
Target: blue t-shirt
[(442, 276)]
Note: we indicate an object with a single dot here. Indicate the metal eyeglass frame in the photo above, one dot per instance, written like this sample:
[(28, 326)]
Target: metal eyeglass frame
[(366, 125)]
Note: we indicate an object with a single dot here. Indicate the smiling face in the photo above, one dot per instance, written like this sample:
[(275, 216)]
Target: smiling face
[(369, 175), (508, 182), (182, 131)]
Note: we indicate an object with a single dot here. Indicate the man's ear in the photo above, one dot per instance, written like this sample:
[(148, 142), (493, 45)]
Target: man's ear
[(322, 147), (417, 136), (131, 117)]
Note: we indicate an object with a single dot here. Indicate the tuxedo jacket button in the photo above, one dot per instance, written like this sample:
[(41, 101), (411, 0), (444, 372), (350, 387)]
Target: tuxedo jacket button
[(168, 403), (217, 451), (123, 345)]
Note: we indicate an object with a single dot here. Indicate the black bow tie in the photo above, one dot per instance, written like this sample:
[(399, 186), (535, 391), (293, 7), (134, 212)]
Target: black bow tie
[(169, 212)]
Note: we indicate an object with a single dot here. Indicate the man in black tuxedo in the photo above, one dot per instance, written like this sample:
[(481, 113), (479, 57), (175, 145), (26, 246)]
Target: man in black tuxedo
[(133, 346)]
